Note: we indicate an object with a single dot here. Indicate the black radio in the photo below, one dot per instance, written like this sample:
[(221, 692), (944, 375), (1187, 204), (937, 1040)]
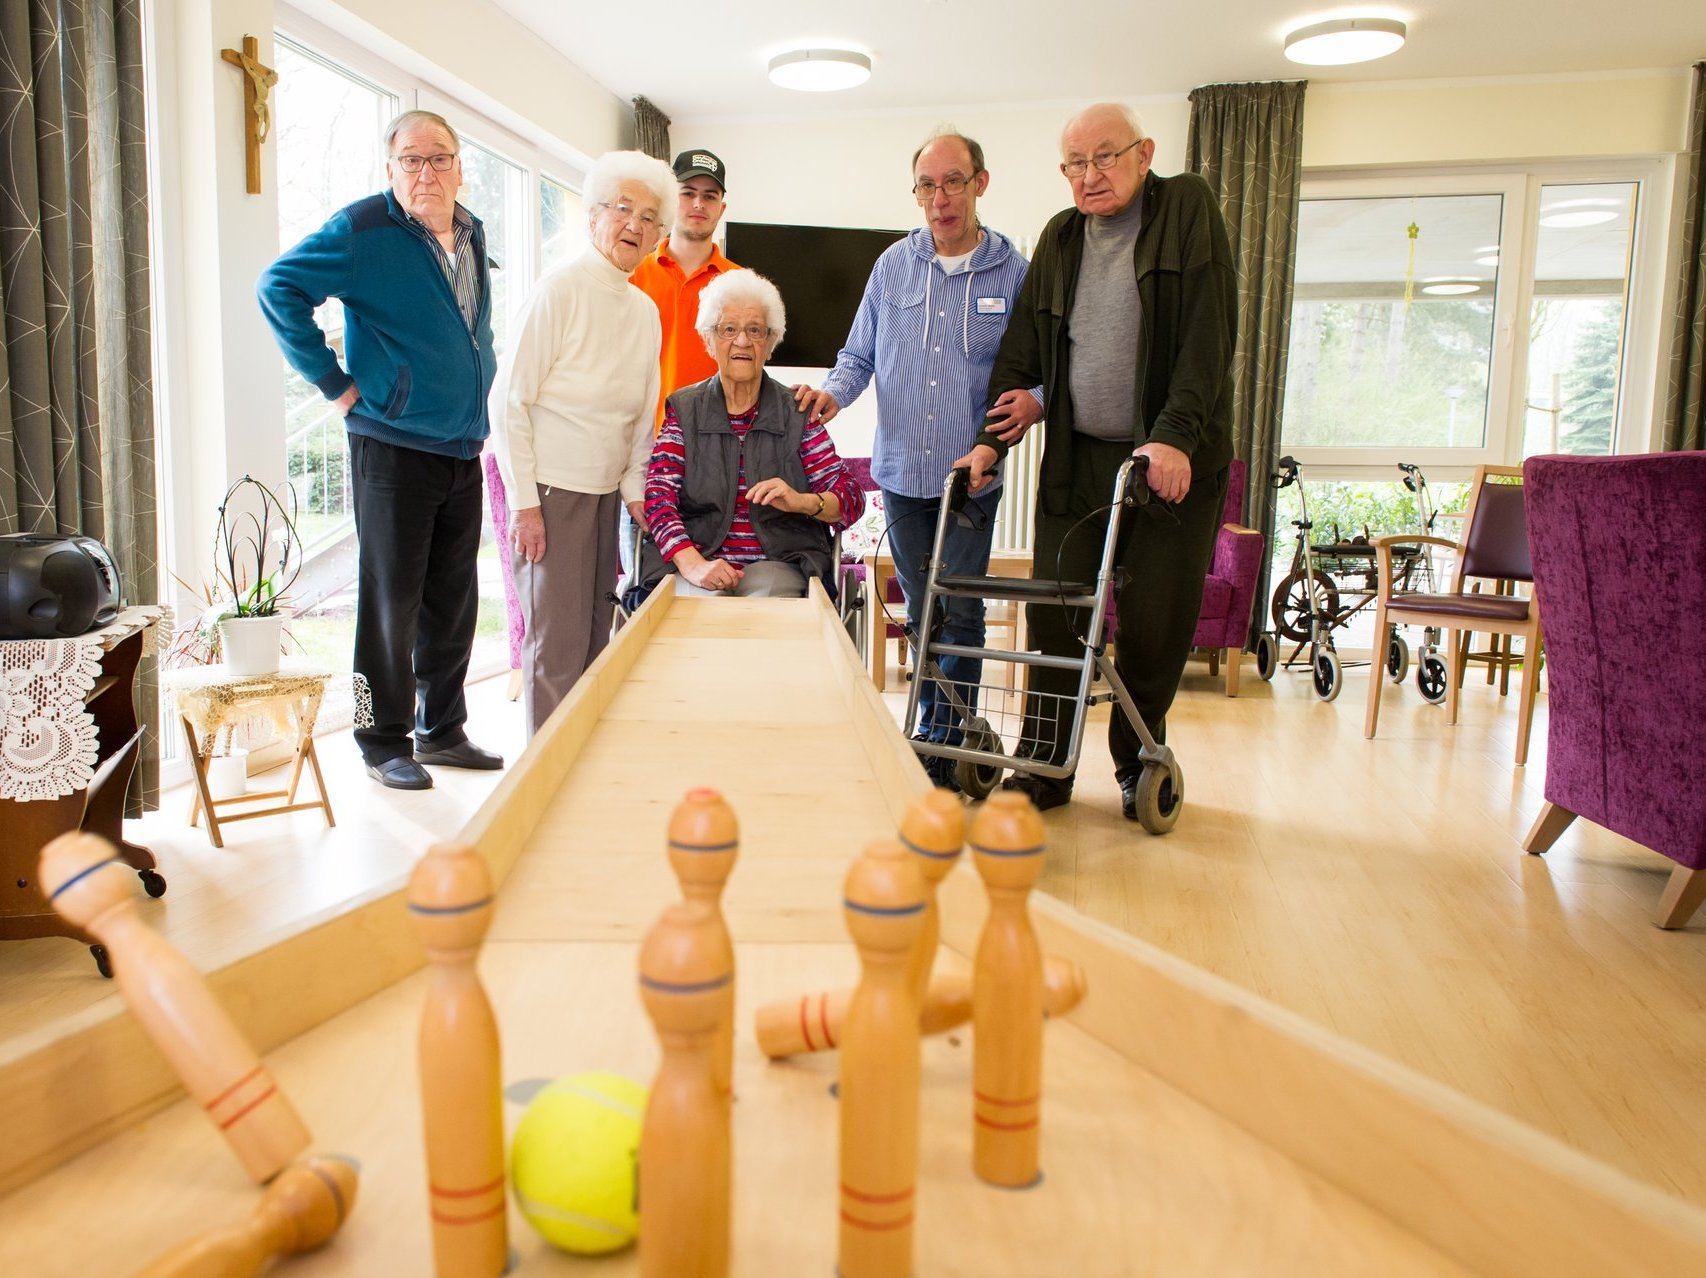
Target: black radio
[(54, 587)]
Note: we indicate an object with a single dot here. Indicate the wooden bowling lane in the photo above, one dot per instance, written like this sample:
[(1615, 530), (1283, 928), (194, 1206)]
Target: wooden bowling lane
[(1138, 1178)]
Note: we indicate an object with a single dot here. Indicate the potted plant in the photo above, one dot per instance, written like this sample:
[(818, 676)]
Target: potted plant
[(257, 555)]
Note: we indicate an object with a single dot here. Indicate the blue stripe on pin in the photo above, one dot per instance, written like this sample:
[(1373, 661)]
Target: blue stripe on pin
[(1036, 851), (884, 911), (81, 875), (698, 987), (469, 908), (934, 856)]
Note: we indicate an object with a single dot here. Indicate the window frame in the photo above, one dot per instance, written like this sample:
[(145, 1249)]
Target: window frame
[(1507, 376)]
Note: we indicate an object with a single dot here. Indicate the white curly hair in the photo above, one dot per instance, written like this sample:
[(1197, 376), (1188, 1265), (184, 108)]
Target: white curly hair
[(737, 288)]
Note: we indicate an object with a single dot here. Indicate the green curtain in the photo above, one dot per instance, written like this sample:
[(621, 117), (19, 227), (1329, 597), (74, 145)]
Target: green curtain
[(1246, 141), (1685, 402), (651, 129), (76, 387)]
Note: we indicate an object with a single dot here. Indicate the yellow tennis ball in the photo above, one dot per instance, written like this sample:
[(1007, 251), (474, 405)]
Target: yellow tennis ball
[(574, 1162)]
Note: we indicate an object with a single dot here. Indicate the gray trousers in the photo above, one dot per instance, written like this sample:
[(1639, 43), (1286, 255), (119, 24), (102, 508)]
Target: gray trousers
[(565, 596), (766, 579)]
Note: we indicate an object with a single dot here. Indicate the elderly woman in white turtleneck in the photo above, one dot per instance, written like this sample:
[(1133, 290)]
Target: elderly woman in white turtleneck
[(572, 412)]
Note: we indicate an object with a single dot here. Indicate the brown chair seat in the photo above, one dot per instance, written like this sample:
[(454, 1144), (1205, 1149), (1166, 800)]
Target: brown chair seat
[(1472, 607)]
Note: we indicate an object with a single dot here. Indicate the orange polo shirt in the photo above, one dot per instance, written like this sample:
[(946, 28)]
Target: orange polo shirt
[(684, 359)]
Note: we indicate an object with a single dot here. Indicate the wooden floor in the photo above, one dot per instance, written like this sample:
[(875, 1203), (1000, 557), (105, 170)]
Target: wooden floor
[(1378, 888)]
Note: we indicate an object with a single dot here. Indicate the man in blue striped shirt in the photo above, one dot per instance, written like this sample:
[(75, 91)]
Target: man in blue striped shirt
[(928, 327)]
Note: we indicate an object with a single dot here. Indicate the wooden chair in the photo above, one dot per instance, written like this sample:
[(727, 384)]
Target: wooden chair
[(1494, 546)]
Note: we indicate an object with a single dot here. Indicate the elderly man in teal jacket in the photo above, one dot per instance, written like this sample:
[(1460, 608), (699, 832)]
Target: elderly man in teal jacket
[(409, 266)]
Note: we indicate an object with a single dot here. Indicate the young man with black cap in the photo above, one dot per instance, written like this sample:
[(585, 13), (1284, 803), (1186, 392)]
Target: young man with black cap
[(678, 271)]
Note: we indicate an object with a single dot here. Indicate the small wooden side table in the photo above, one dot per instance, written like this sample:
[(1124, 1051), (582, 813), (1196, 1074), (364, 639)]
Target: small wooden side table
[(210, 704)]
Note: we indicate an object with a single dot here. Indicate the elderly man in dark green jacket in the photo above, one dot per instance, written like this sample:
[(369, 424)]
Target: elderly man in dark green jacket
[(1127, 320)]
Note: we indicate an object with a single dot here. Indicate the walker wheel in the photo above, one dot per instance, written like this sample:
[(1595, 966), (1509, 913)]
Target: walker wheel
[(103, 961), (1267, 656), (1397, 657), (153, 882), (1431, 678), (1292, 602), (978, 780), (1160, 796), (1328, 676)]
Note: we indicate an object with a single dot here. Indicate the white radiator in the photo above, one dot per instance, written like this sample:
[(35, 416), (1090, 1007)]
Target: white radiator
[(1015, 520)]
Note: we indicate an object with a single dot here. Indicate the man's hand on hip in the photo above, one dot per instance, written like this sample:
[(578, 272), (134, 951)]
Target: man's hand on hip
[(527, 533), (1169, 470), (980, 461), (818, 405), (1014, 413), (343, 403)]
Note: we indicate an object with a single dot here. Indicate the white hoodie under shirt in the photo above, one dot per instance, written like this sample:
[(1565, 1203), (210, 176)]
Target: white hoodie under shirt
[(576, 396)]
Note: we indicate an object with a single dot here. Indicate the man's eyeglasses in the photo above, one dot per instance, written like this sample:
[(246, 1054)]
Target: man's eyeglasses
[(627, 212), (754, 333), (415, 163), (925, 190), (1101, 160)]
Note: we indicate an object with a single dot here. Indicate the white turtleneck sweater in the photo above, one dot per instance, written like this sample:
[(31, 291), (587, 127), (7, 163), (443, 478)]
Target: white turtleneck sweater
[(576, 393)]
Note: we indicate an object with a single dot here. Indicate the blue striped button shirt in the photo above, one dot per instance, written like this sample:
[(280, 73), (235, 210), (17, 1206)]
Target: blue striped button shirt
[(929, 339)]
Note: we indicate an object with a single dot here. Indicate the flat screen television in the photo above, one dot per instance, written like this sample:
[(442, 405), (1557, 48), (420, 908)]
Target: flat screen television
[(821, 272)]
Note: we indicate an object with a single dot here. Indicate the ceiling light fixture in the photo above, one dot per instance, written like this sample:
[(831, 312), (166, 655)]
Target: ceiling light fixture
[(1451, 290), (1345, 40), (820, 70), (1492, 259)]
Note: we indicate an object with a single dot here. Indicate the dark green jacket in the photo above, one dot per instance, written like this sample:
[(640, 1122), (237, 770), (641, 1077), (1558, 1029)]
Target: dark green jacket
[(1189, 295)]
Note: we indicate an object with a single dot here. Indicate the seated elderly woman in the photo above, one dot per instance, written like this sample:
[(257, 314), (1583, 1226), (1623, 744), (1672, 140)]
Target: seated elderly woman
[(743, 492)]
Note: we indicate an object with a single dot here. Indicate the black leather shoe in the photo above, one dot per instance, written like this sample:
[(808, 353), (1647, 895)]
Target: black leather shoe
[(1128, 796), (464, 754), (401, 773), (1043, 792)]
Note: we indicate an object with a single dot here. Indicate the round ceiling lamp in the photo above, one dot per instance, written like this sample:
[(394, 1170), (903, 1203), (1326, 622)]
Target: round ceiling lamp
[(1575, 213), (1454, 288), (1345, 40), (820, 70)]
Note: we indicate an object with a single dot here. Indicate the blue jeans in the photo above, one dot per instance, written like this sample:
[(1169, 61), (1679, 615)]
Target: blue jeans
[(965, 552)]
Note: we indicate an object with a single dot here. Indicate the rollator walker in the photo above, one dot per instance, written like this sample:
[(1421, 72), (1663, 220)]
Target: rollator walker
[(993, 739)]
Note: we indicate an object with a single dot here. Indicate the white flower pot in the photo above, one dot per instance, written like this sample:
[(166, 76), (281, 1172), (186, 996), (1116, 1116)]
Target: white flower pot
[(228, 774), (250, 645)]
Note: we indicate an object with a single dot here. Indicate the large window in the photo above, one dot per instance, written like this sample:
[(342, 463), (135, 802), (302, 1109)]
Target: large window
[(1453, 320)]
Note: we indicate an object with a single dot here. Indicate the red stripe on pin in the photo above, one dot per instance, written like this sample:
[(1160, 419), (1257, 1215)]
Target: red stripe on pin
[(487, 1188), (1008, 1104), (238, 1085), (238, 1116), (1005, 1127), (901, 1197), (806, 1024), (883, 1226), (823, 1019), (442, 1219)]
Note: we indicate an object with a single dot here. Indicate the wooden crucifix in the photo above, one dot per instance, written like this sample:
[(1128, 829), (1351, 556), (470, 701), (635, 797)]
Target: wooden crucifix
[(257, 80)]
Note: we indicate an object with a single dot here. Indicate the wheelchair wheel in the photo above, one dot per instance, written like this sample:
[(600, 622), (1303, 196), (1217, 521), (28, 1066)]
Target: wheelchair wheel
[(1328, 676), (1431, 677), (1160, 797), (978, 780), (1397, 657), (1267, 656), (1290, 605)]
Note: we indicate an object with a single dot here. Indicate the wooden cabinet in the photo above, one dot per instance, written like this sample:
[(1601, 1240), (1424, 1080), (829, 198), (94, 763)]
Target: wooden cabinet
[(25, 828)]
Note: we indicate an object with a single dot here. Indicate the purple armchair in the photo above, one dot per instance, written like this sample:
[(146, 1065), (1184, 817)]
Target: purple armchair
[(499, 502), (1229, 593), (1619, 550)]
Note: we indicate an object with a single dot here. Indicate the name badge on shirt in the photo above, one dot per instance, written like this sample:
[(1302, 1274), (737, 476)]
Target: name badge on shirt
[(992, 306)]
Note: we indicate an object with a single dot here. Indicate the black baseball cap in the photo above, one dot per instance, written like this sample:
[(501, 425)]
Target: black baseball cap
[(700, 164)]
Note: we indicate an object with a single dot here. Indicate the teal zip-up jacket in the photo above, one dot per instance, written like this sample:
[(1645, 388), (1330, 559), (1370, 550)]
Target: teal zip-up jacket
[(423, 376), (1189, 295)]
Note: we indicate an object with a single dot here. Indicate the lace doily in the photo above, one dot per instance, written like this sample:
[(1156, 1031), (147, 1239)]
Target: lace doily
[(48, 743), (214, 701)]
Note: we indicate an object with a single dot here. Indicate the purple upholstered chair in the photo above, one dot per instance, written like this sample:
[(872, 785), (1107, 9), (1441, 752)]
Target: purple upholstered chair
[(1229, 593), (1619, 550)]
